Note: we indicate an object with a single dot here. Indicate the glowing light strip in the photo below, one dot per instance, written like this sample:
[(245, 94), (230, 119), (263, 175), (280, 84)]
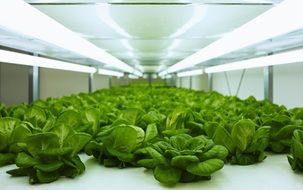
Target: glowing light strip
[(190, 73), (33, 23), (110, 72), (278, 59), (28, 60), (281, 19)]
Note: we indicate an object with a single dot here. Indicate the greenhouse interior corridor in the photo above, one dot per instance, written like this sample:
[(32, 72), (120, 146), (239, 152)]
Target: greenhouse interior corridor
[(151, 94)]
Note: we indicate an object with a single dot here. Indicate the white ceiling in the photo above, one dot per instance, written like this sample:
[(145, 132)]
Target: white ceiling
[(149, 33)]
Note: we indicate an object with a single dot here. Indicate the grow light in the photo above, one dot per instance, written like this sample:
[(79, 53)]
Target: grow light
[(278, 59), (33, 23), (110, 72), (190, 73), (283, 18), (137, 73), (28, 60), (133, 77)]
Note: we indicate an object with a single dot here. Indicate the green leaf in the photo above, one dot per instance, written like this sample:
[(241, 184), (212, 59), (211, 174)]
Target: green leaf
[(205, 168), (222, 137), (92, 115), (41, 142), (36, 116), (260, 140), (7, 158), (69, 118), (151, 132), (124, 138), (217, 151), (210, 128), (77, 141), (55, 152), (180, 141), (148, 163), (17, 172), (123, 156), (25, 161), (47, 177), (50, 167), (242, 133), (286, 132), (62, 131), (183, 161), (292, 162), (297, 149), (132, 116), (167, 174), (7, 125)]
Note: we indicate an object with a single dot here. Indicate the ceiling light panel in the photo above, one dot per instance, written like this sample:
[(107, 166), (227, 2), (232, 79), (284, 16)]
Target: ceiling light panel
[(270, 24), (294, 56), (27, 20), (23, 59)]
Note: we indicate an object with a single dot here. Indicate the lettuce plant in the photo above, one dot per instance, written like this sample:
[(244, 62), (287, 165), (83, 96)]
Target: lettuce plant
[(245, 141), (182, 158), (12, 132), (116, 145), (296, 158), (47, 156)]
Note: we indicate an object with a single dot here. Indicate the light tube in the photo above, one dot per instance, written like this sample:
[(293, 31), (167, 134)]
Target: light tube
[(22, 18), (277, 59), (28, 60), (190, 73), (110, 72), (138, 73), (133, 77), (167, 77), (281, 19)]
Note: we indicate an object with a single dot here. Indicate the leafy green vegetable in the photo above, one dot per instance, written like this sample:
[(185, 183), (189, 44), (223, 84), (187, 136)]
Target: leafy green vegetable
[(47, 156), (296, 158), (182, 158), (246, 142), (182, 135)]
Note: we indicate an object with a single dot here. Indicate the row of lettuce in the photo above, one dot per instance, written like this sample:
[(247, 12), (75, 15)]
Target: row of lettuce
[(181, 135)]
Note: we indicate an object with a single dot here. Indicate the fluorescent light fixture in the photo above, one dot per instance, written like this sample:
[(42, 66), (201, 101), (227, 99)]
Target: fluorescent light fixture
[(138, 73), (133, 77), (163, 73), (29, 60), (110, 72), (198, 15), (281, 19), (277, 59), (190, 73), (168, 76), (173, 45), (103, 11), (33, 23)]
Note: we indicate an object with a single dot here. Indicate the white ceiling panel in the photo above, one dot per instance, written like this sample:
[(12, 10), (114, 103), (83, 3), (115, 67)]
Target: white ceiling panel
[(140, 32)]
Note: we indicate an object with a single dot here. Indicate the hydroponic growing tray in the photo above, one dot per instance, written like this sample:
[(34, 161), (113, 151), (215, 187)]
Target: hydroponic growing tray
[(274, 173)]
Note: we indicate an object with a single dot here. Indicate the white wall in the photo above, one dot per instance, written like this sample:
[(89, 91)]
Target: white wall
[(287, 84), (252, 83), (199, 82), (13, 84), (100, 82), (57, 83)]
